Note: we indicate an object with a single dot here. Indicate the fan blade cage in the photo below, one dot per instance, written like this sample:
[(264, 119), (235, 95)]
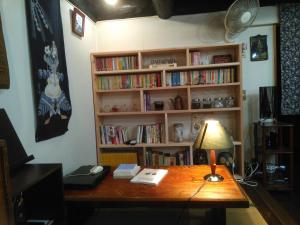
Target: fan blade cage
[(241, 15)]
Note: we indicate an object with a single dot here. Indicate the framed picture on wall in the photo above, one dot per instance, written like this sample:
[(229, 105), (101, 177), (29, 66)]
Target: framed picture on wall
[(258, 48), (78, 20)]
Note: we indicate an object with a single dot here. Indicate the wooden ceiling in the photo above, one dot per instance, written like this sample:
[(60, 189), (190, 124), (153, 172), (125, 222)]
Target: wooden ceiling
[(98, 10)]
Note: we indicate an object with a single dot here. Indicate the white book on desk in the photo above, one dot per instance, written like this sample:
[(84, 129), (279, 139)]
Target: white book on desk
[(126, 171), (149, 176)]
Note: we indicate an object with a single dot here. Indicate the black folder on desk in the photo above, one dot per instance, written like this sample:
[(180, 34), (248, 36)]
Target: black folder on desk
[(82, 179)]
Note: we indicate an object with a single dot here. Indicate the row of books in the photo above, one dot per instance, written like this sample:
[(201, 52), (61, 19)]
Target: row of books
[(196, 58), (152, 133), (154, 158), (113, 134), (215, 76), (116, 63), (129, 81)]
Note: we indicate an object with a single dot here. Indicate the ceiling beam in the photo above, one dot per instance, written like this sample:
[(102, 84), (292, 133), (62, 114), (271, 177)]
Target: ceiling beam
[(164, 8)]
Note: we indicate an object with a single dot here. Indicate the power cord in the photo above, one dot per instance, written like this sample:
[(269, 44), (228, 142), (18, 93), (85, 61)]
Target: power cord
[(246, 180)]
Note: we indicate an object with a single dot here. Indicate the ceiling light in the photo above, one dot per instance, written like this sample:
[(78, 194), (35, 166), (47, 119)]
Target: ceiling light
[(111, 2)]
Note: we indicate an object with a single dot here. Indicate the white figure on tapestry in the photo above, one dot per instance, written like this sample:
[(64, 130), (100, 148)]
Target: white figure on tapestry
[(52, 99)]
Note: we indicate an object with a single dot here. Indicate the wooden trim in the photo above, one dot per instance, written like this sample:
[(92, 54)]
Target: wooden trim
[(4, 71), (167, 144), (169, 112), (169, 87), (95, 102), (179, 68), (274, 27), (6, 209)]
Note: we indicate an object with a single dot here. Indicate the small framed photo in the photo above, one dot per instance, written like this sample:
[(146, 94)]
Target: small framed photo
[(78, 20), (258, 48)]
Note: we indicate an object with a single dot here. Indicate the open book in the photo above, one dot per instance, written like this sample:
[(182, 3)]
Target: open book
[(149, 176)]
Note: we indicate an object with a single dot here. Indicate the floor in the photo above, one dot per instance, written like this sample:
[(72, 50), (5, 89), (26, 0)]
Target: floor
[(277, 208), (290, 202)]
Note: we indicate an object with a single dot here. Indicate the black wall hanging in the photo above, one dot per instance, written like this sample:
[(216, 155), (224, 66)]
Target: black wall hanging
[(48, 66), (290, 58)]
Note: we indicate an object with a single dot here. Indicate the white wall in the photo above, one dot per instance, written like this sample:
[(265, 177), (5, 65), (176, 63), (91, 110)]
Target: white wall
[(193, 30), (77, 146)]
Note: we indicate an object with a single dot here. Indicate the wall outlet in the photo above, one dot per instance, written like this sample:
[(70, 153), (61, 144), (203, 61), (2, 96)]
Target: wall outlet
[(244, 95)]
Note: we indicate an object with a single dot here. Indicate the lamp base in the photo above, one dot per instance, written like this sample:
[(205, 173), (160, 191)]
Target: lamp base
[(213, 177)]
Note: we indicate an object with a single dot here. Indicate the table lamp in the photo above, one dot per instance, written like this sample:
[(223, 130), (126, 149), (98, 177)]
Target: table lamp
[(213, 136)]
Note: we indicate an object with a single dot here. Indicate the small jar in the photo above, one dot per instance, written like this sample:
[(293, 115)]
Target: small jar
[(158, 105), (178, 132), (196, 104), (229, 102), (219, 103), (206, 103)]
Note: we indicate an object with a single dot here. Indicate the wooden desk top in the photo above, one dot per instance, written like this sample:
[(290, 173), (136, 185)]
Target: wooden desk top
[(176, 189)]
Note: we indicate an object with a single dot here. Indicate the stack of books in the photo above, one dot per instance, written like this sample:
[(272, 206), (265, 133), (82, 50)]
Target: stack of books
[(126, 171)]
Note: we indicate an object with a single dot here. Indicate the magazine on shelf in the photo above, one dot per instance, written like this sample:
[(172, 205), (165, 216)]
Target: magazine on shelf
[(150, 176), (126, 171)]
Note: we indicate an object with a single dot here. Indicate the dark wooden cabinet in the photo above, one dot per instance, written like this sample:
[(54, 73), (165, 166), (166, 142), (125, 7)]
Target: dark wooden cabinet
[(274, 151), (41, 187), (35, 192)]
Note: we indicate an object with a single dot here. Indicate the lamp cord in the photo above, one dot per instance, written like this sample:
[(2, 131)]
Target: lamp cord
[(190, 198), (246, 180)]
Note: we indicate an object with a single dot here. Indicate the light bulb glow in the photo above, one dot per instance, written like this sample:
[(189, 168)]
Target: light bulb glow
[(111, 2), (212, 126)]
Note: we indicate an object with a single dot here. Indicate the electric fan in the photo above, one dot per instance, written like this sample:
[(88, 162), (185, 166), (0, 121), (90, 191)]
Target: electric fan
[(239, 17)]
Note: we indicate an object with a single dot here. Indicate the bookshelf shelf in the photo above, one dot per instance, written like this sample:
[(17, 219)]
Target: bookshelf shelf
[(215, 85), (209, 66), (187, 111), (169, 144), (127, 84), (132, 71), (170, 88), (215, 110), (119, 90), (130, 113)]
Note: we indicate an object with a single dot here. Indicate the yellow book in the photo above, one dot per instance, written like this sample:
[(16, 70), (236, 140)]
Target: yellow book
[(116, 158)]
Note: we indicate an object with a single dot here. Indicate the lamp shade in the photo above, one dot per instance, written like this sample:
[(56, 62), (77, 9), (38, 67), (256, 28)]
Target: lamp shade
[(213, 136)]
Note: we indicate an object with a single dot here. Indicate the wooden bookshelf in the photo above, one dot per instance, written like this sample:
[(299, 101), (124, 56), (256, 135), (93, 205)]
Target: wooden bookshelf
[(124, 98)]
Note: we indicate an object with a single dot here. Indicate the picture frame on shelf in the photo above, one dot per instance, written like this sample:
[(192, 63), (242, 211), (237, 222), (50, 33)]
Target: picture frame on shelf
[(78, 21)]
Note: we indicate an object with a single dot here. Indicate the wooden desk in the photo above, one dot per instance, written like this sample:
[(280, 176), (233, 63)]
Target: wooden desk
[(183, 186)]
